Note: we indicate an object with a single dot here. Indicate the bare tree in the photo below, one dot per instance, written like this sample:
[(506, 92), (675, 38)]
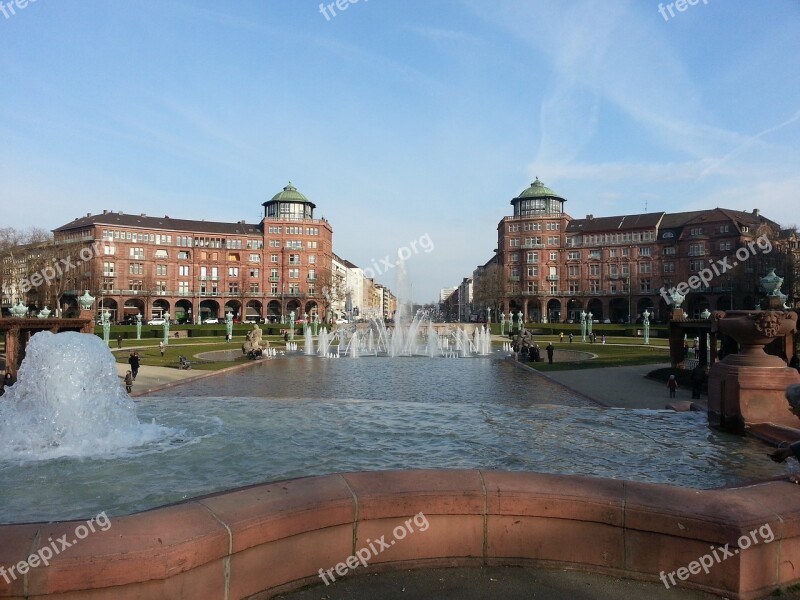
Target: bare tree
[(333, 287), (491, 287)]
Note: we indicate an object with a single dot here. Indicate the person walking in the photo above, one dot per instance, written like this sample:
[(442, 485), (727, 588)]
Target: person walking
[(550, 350), (603, 339), (119, 341), (161, 347), (570, 338), (561, 337), (672, 385), (133, 361), (128, 381)]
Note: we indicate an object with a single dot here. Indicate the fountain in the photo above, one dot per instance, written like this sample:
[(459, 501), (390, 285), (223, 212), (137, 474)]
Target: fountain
[(308, 341), (68, 401), (748, 388)]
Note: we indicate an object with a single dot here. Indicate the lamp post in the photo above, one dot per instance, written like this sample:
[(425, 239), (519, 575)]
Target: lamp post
[(583, 326)]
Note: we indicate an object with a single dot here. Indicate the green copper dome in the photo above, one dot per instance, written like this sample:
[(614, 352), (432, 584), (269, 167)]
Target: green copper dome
[(538, 190), (289, 194)]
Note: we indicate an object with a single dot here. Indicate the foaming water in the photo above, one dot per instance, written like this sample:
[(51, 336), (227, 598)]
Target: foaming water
[(69, 402)]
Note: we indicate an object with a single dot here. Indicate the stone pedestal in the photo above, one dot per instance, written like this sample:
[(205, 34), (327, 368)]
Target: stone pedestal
[(749, 387), (742, 395)]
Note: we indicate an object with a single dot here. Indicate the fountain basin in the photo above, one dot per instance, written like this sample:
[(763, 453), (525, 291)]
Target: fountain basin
[(274, 537)]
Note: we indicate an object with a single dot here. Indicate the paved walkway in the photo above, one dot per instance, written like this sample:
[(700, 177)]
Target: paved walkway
[(622, 387), (153, 377), (507, 583)]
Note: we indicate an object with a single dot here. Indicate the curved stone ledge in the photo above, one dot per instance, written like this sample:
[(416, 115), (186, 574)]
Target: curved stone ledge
[(257, 541)]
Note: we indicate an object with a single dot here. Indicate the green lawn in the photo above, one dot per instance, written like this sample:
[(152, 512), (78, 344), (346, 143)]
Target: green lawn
[(608, 355), (150, 356)]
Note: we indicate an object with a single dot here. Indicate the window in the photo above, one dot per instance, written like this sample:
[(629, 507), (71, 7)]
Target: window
[(233, 271), (108, 269), (512, 227), (294, 259), (669, 251), (273, 258), (645, 267), (513, 242), (613, 271), (644, 285), (514, 273), (552, 241), (254, 287), (612, 253), (626, 251), (183, 270), (594, 286), (574, 270), (273, 289), (724, 228), (274, 229), (696, 265), (533, 287), (255, 273), (574, 255), (696, 231), (161, 270), (183, 255), (255, 258), (696, 250), (515, 257), (273, 275), (135, 284), (574, 287), (554, 256), (312, 275), (294, 273), (725, 245), (644, 251), (161, 287), (233, 287), (669, 267), (137, 253), (160, 254), (183, 288), (533, 271), (274, 243), (135, 269), (594, 270), (108, 250), (294, 289), (312, 259), (594, 254)]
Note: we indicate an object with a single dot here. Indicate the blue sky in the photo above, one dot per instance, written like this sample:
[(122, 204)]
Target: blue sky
[(398, 118)]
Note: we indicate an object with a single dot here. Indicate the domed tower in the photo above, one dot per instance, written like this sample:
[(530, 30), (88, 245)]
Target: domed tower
[(289, 205), (298, 251), (538, 200)]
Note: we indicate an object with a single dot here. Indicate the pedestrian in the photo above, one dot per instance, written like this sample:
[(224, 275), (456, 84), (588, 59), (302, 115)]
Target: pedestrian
[(603, 339), (672, 384), (133, 361), (7, 382), (698, 379), (285, 336), (119, 341), (161, 347), (570, 338), (128, 381), (550, 350), (561, 337)]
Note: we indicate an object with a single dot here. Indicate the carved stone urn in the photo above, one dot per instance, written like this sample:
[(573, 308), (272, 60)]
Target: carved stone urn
[(753, 330), (748, 387)]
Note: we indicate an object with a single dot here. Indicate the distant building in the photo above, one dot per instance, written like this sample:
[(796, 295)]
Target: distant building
[(465, 299), (445, 293), (200, 269), (552, 267)]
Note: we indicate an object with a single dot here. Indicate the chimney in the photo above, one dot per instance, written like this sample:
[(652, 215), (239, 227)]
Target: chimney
[(105, 211), (589, 217), (756, 212), (88, 215)]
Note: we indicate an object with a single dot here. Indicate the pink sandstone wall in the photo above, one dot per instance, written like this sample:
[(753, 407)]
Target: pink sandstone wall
[(257, 541)]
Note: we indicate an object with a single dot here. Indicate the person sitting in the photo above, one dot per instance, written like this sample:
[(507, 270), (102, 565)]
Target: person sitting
[(184, 363)]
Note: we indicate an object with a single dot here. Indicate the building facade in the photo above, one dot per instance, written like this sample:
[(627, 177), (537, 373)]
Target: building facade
[(553, 267), (196, 270)]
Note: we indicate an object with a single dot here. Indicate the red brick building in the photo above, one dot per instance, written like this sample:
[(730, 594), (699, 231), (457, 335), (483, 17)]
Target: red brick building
[(196, 270), (615, 267)]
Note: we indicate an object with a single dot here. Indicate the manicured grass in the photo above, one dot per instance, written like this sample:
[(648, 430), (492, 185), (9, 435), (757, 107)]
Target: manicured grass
[(150, 356), (608, 355)]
